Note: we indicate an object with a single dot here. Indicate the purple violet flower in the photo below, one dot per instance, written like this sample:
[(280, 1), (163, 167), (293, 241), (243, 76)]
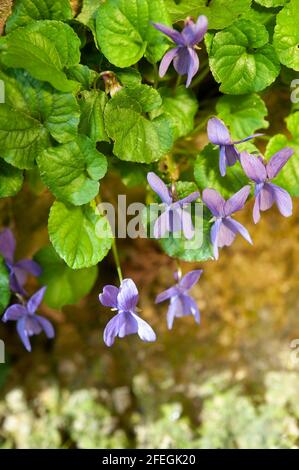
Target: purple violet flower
[(181, 303), (18, 271), (219, 135), (184, 57), (124, 299), (225, 229), (267, 193), (175, 218), (28, 323)]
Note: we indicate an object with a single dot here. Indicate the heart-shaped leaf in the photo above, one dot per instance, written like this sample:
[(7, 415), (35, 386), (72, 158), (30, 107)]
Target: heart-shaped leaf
[(286, 35), (137, 138), (64, 285), (80, 235), (125, 32), (242, 60), (26, 11), (72, 171), (44, 49), (92, 104), (180, 106), (33, 112)]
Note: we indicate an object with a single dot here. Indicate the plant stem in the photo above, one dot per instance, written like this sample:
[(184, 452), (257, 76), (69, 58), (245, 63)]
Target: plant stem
[(98, 201), (178, 82), (172, 167), (156, 76), (116, 259), (201, 76), (179, 269), (199, 126)]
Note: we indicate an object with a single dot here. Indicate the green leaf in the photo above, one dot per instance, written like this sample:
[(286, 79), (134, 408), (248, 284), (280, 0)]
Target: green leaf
[(80, 235), (207, 175), (26, 11), (127, 76), (136, 137), (241, 60), (243, 114), (125, 33), (4, 286), (64, 285), (220, 13), (263, 15), (92, 104), (83, 75), (286, 35), (72, 171), (288, 177), (33, 111), (21, 137), (271, 3), (11, 179), (198, 249), (44, 49), (179, 10), (180, 107), (87, 15)]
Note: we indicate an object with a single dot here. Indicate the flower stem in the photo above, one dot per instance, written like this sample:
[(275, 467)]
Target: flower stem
[(116, 260), (178, 82), (98, 201), (179, 268), (172, 167), (201, 76), (156, 76)]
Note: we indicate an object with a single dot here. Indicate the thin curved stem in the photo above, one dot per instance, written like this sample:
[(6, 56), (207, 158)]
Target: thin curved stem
[(201, 76), (116, 260), (156, 76), (98, 201)]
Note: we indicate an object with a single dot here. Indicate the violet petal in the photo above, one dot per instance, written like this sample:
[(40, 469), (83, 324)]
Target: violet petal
[(237, 201), (283, 200), (108, 297), (217, 132), (22, 332), (176, 36), (166, 61), (162, 224), (127, 298), (35, 301), (214, 201), (145, 331), (159, 187), (14, 312), (278, 161), (46, 326), (235, 227), (7, 244), (253, 167)]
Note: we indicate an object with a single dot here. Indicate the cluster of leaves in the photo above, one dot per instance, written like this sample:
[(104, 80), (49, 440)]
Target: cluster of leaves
[(58, 119)]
